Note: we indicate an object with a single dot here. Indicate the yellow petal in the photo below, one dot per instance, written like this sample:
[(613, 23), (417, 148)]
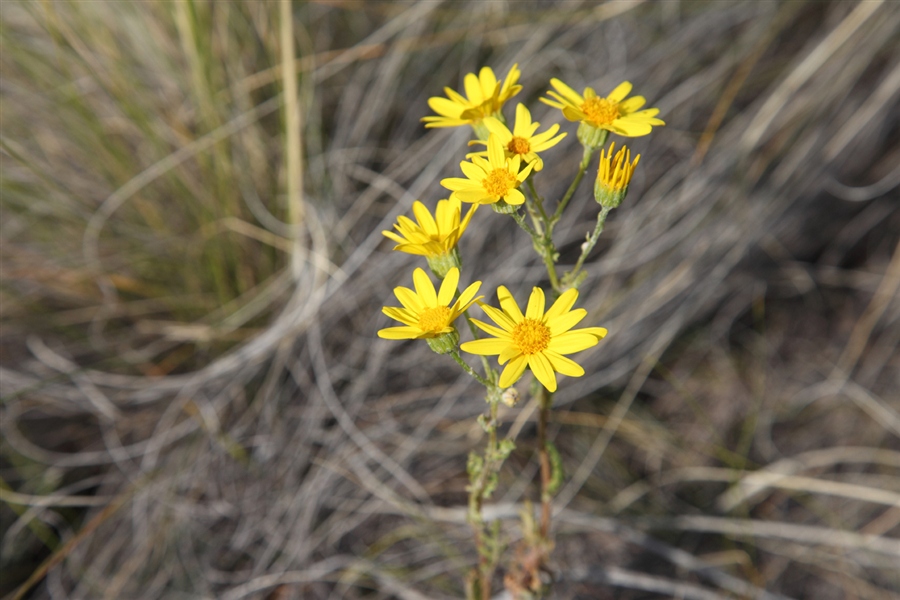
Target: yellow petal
[(486, 347), (564, 365), (409, 299), (565, 322), (523, 122), (448, 287), (473, 89), (401, 314), (572, 341), (472, 171), (535, 309), (567, 92), (399, 333), (508, 304), (514, 197), (488, 81), (562, 305), (491, 330), (465, 299), (542, 369), (424, 288), (499, 317), (508, 354), (631, 105), (618, 94), (496, 155), (513, 371), (425, 219)]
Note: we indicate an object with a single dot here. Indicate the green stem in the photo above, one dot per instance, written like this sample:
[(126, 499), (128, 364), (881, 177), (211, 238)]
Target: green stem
[(470, 370), (538, 201), (569, 278), (585, 161)]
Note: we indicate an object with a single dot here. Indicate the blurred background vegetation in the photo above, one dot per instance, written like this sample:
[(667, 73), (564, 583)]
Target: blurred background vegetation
[(194, 401)]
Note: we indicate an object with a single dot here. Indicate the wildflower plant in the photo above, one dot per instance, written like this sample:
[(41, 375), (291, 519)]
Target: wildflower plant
[(538, 340)]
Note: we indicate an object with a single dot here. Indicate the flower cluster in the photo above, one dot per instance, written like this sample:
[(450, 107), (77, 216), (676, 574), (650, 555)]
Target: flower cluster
[(501, 173), (536, 340)]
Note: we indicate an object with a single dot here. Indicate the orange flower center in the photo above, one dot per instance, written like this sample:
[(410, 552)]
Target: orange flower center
[(499, 182), (600, 111), (518, 145), (434, 319), (531, 336)]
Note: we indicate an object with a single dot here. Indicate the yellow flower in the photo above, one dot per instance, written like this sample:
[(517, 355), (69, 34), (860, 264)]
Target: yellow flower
[(427, 235), (614, 175), (521, 140), (613, 113), (484, 97), (536, 339), (426, 313), (490, 180)]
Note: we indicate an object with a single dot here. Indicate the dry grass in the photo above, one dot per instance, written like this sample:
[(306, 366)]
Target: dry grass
[(194, 402)]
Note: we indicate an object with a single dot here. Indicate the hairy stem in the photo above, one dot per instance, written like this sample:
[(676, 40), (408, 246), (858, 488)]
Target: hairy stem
[(585, 161)]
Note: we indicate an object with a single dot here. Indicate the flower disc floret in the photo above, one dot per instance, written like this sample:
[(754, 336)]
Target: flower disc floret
[(485, 96), (425, 312), (615, 112), (522, 140), (489, 181), (537, 339)]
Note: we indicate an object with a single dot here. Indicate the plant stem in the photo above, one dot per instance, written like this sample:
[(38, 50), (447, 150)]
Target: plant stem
[(585, 161), (545, 399), (570, 277), (470, 370)]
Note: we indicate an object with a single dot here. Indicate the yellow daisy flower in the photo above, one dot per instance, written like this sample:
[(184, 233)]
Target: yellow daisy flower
[(536, 339), (426, 313), (484, 97), (435, 237), (521, 140), (613, 113), (489, 181), (614, 175)]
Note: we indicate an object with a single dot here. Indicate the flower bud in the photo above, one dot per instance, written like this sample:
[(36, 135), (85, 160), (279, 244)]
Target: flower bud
[(613, 176)]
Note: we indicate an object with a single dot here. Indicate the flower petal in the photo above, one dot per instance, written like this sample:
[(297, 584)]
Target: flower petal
[(448, 287), (567, 92), (514, 196), (496, 155), (565, 322), (618, 94), (399, 333), (523, 122), (424, 288), (564, 365), (485, 347), (542, 369), (572, 341), (632, 104), (535, 309), (472, 171), (491, 330), (508, 304), (409, 299), (426, 221), (563, 304), (513, 371), (465, 299), (499, 317), (401, 314)]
